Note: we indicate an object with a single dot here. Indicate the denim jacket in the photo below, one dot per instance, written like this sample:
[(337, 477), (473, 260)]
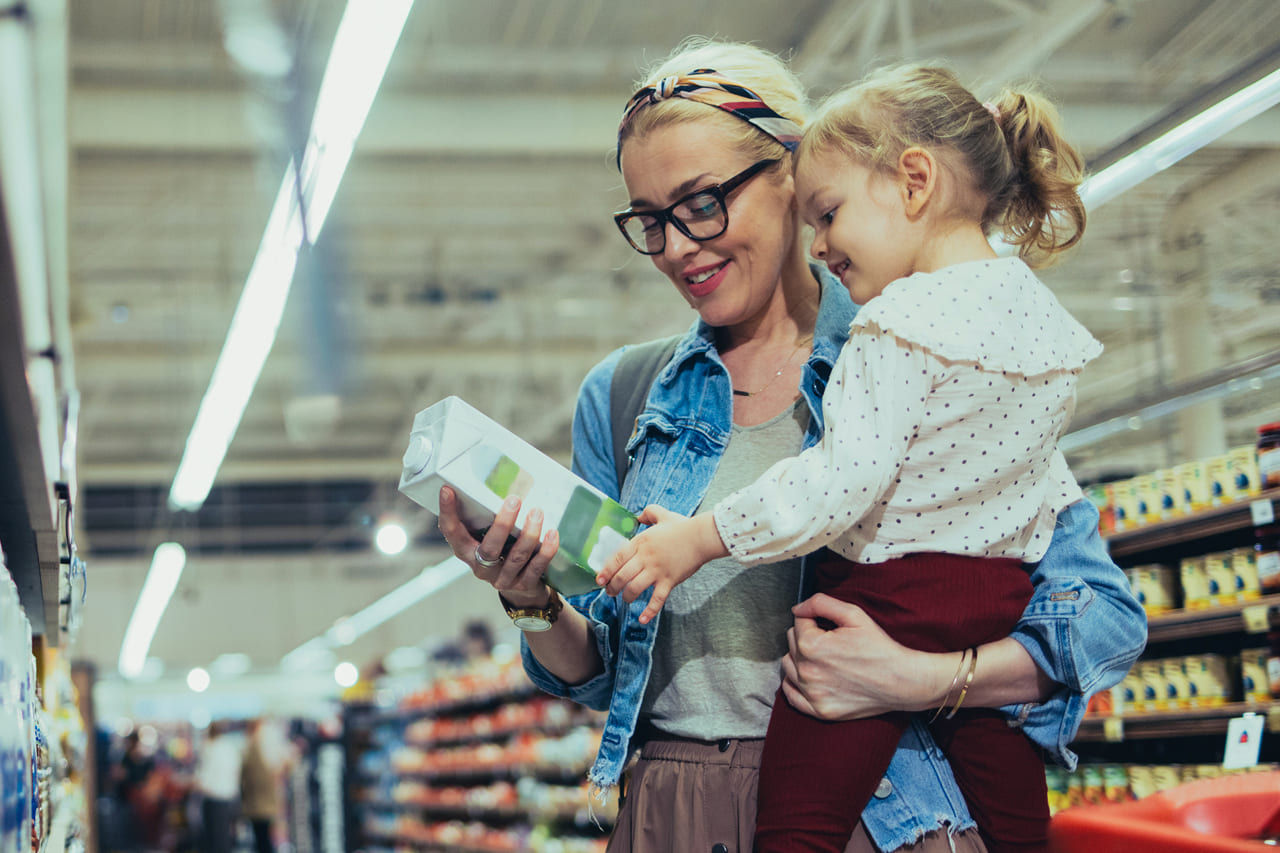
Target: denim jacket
[(1083, 626)]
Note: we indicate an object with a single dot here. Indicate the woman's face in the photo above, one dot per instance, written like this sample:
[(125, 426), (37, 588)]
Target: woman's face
[(735, 277)]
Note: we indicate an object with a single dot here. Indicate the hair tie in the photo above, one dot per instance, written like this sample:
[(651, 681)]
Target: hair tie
[(706, 86), (993, 109)]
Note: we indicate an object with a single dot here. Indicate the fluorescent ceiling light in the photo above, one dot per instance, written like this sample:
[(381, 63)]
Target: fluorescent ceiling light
[(1192, 135), (347, 631), (346, 674), (157, 589), (198, 679), (391, 538), (366, 38)]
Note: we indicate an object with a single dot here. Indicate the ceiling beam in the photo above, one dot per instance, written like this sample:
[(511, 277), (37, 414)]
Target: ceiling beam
[(1037, 39)]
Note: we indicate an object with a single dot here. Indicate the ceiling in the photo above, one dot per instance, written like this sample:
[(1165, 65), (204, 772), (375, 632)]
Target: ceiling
[(471, 252)]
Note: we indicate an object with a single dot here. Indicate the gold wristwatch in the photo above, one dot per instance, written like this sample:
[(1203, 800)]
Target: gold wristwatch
[(534, 618)]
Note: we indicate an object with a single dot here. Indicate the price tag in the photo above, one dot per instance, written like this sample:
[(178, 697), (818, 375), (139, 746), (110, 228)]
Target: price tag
[(1262, 512), (1257, 618), (1113, 729), (1244, 739)]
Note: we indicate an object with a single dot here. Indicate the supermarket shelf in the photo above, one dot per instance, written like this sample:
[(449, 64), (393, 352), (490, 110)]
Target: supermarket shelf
[(28, 520), (468, 705), (401, 841), (1248, 617), (1182, 723), (545, 773), (547, 729), (1176, 531), (483, 813)]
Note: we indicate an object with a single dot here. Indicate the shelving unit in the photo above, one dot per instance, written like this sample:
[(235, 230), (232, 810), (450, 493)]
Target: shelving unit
[(472, 763), (1222, 626)]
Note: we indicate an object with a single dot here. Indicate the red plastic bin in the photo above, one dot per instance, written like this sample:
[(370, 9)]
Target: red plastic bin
[(1230, 814)]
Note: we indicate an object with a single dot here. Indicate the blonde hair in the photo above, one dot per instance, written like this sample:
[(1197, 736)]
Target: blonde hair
[(1011, 150), (747, 65)]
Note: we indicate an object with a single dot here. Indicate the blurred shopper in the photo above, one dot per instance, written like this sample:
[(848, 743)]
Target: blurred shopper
[(259, 794), (129, 776), (218, 781)]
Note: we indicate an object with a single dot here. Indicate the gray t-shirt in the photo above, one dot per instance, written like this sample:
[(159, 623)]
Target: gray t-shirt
[(716, 660)]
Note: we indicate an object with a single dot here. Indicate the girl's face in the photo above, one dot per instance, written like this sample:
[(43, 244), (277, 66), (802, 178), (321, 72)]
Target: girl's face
[(861, 230), (733, 278)]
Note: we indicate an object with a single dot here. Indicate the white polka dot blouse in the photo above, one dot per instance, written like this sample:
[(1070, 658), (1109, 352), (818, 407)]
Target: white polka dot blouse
[(942, 418)]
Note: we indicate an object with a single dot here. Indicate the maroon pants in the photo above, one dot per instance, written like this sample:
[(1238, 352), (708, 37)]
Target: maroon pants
[(817, 776)]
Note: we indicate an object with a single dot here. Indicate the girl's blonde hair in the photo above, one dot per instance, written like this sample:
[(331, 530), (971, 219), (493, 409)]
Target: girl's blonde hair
[(1011, 150), (747, 65)]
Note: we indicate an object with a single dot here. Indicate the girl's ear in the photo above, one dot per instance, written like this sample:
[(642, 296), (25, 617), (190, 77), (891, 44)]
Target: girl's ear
[(917, 179)]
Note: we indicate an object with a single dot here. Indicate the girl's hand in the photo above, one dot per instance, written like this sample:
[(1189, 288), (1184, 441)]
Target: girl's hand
[(854, 669), (667, 554), (518, 574)]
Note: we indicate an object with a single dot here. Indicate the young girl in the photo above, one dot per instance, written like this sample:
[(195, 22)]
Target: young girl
[(939, 474)]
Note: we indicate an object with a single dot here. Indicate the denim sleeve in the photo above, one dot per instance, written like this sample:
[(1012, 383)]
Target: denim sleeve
[(593, 462), (1083, 627)]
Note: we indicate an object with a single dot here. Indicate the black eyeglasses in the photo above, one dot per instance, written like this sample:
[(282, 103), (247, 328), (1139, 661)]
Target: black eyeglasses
[(701, 215)]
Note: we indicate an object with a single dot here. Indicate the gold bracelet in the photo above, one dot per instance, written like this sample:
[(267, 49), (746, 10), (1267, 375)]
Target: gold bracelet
[(973, 664), (947, 696)]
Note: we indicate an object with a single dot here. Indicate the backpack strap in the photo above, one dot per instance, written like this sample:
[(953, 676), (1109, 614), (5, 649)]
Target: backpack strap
[(637, 368)]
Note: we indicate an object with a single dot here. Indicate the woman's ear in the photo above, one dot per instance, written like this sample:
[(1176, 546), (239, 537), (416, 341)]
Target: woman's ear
[(917, 179)]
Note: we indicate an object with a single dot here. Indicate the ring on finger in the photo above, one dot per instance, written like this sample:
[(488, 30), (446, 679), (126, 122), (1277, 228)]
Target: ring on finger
[(485, 562)]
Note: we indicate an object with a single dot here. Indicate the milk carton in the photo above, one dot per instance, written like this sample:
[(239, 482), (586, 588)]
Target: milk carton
[(454, 444)]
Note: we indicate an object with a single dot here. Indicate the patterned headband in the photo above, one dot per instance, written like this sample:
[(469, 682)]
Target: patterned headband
[(707, 87)]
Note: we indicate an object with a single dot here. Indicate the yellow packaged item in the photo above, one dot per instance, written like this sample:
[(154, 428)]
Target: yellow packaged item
[(1115, 783), (1147, 487), (1219, 477), (1221, 576), (1210, 685), (1253, 675), (1244, 565), (1168, 494), (1195, 583), (1142, 782), (1124, 494), (1155, 690), (1177, 689), (1242, 472), (1154, 587), (1132, 695), (1166, 776), (1194, 483)]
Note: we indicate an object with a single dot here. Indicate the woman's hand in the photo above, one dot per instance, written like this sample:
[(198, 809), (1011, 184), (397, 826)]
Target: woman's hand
[(517, 575), (855, 669)]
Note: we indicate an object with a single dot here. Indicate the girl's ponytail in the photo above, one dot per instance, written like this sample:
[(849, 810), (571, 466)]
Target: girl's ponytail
[(1044, 213)]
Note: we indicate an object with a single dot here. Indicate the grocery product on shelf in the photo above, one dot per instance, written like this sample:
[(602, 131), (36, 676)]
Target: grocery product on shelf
[(1268, 453), (1116, 783)]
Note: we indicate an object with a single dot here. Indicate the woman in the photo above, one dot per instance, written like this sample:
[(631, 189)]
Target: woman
[(707, 167)]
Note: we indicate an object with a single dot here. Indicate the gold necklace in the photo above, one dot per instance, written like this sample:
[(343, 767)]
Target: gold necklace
[(740, 393)]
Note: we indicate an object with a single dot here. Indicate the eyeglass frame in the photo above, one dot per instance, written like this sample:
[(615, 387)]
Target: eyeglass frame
[(666, 215)]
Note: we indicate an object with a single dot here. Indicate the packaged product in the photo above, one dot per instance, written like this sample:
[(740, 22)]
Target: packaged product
[(1268, 453), (1244, 566), (1221, 576), (1168, 493), (1195, 583), (1075, 788), (1154, 587), (1092, 787), (454, 444), (1219, 477), (1131, 696), (1194, 482), (1166, 776), (1273, 663), (1253, 675), (1100, 497), (1147, 487), (1155, 690), (1115, 783), (1124, 495), (1207, 674), (1242, 472), (1056, 781), (1266, 557), (1177, 689), (1142, 782)]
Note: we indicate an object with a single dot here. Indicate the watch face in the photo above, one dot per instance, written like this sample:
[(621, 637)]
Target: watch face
[(531, 623)]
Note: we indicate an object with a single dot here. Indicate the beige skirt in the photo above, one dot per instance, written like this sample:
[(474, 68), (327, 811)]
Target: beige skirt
[(684, 795)]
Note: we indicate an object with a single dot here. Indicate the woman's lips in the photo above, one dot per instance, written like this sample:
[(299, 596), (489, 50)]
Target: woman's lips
[(704, 288)]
